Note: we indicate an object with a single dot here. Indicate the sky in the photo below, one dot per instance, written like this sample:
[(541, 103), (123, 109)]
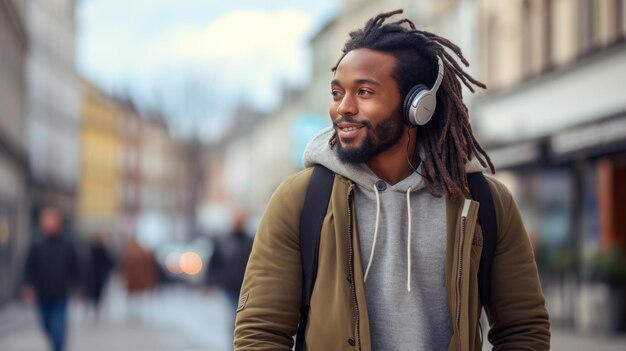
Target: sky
[(196, 59)]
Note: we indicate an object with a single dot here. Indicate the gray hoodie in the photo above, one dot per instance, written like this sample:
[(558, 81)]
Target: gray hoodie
[(402, 232)]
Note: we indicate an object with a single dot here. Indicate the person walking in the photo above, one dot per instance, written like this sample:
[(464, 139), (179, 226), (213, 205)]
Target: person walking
[(100, 266), (51, 272), (400, 244), (227, 265), (141, 276)]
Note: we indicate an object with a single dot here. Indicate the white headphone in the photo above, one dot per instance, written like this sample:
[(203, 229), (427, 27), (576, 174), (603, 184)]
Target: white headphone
[(420, 102)]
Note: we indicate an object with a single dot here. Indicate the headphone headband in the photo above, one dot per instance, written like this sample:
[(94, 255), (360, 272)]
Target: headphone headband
[(439, 76), (420, 102)]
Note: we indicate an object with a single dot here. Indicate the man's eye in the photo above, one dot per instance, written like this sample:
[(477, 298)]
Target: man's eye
[(364, 92), (335, 93)]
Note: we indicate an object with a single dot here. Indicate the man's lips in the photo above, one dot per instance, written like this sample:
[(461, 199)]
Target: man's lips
[(348, 130)]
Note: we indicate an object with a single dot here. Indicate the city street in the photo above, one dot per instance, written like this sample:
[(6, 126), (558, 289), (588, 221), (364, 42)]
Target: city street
[(562, 341), (178, 319), (174, 319)]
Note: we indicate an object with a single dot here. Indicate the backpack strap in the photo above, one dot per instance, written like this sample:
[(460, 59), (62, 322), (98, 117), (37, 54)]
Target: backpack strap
[(311, 220), (487, 218)]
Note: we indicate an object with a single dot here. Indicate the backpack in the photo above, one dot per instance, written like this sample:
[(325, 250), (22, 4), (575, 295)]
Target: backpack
[(312, 217)]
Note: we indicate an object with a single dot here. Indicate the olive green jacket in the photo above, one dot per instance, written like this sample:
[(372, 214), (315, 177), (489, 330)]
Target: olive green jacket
[(268, 311)]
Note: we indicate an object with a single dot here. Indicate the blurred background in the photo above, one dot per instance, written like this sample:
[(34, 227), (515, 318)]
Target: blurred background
[(155, 124)]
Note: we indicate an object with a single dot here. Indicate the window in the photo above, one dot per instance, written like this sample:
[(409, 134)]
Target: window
[(492, 52), (622, 18), (615, 20), (601, 23), (131, 160), (130, 194), (526, 41), (586, 26), (547, 34)]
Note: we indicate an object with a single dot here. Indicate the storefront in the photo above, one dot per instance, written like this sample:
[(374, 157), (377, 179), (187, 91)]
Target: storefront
[(571, 189), (13, 222)]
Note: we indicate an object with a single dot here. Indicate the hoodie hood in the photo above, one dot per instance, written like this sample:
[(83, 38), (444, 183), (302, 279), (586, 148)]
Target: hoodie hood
[(318, 151)]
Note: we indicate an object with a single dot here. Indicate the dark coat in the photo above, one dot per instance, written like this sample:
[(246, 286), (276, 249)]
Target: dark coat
[(228, 262), (101, 264), (52, 268)]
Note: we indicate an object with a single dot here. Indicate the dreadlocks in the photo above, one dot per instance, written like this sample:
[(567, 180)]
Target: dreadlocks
[(447, 140)]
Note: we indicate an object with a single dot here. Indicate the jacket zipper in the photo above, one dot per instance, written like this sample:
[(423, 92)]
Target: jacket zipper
[(464, 213), (351, 268)]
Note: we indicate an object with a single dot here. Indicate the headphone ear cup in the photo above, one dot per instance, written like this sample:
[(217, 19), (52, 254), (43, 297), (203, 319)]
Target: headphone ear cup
[(409, 102)]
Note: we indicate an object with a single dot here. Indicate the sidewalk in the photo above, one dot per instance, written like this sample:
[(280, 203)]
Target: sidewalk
[(181, 319), (562, 340), (105, 337), (176, 319), (568, 341)]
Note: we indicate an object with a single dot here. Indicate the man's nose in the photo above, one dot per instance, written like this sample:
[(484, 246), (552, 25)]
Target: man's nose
[(348, 106)]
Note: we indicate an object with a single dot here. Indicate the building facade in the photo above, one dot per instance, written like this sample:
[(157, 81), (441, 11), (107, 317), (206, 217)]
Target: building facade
[(100, 172), (53, 103), (183, 182), (13, 156), (155, 223), (554, 123), (129, 194)]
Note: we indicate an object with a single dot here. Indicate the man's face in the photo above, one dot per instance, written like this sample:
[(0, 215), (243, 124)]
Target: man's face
[(366, 109), (51, 221)]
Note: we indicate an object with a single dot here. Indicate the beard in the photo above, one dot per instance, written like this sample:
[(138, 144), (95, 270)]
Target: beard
[(378, 139)]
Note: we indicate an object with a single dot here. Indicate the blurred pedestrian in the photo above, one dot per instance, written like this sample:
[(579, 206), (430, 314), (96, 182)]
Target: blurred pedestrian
[(141, 275), (227, 265), (100, 266), (401, 236), (50, 273)]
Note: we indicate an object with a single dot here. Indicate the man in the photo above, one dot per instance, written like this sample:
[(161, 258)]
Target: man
[(228, 261), (51, 270), (228, 264), (100, 265), (400, 246)]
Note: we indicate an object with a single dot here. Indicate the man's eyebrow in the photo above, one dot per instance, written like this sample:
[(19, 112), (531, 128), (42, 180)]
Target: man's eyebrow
[(367, 81), (358, 82)]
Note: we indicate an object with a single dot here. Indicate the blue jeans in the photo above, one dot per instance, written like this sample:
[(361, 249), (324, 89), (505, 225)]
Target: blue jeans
[(53, 316), (233, 300)]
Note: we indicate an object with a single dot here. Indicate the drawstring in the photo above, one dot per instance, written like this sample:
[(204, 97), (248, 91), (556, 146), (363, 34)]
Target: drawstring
[(369, 263), (408, 246), (408, 240)]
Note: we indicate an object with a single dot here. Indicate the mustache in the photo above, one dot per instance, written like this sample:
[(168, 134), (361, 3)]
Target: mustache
[(346, 119)]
